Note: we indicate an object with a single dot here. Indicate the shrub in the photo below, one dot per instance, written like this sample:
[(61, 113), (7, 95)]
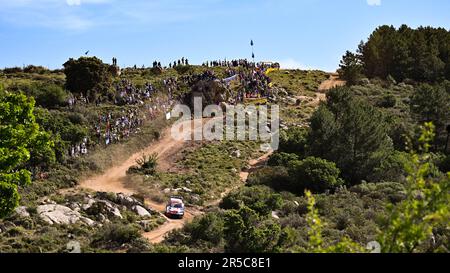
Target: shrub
[(115, 235), (282, 159), (315, 174), (258, 198), (147, 165), (293, 141), (275, 177), (388, 101)]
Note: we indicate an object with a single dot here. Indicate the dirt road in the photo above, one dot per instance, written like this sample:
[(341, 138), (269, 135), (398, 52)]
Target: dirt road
[(113, 181), (333, 81)]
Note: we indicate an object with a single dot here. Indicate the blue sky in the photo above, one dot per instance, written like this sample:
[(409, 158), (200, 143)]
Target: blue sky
[(297, 33)]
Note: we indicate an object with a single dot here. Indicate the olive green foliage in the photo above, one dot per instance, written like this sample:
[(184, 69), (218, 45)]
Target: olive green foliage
[(146, 164), (315, 240), (115, 235), (294, 141), (248, 232), (282, 159), (314, 174), (351, 68), (419, 54), (260, 199), (19, 137), (350, 132), (87, 76), (46, 93), (412, 224), (432, 104)]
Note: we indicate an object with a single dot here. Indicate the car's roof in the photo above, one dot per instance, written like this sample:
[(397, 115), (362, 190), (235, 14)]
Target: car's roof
[(176, 200)]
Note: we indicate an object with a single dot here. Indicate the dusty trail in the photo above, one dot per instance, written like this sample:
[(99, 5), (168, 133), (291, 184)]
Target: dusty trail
[(113, 181), (333, 81)]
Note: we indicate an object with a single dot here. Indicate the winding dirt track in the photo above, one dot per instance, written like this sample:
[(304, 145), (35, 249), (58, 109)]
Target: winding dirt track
[(113, 181), (333, 81)]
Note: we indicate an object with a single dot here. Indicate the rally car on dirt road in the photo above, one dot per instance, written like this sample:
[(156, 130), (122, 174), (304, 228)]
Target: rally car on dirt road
[(175, 207)]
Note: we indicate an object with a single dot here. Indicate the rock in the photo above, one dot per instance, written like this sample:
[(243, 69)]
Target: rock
[(275, 215), (141, 211), (195, 198), (88, 203), (73, 247), (186, 190), (110, 196), (167, 190), (104, 207), (145, 224), (22, 212), (127, 201), (236, 154), (265, 148), (61, 215), (102, 218), (47, 202)]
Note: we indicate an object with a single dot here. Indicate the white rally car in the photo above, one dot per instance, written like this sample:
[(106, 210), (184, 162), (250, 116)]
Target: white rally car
[(175, 207)]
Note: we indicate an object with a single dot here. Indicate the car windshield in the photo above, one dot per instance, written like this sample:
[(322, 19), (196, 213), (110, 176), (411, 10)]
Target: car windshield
[(177, 205)]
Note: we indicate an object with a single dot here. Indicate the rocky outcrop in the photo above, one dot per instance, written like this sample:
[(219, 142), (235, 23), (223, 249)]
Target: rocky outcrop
[(141, 211), (22, 212), (61, 215), (106, 208)]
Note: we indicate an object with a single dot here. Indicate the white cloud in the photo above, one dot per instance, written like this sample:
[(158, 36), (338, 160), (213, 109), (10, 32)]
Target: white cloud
[(291, 64), (73, 2), (374, 2)]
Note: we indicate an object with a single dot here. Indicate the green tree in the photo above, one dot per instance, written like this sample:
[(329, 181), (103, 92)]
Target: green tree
[(314, 174), (294, 141), (432, 104), (19, 135), (350, 132), (87, 76), (315, 240), (248, 232), (351, 69), (258, 198), (411, 224)]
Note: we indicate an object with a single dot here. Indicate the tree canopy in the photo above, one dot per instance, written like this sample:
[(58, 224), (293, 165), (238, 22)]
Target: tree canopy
[(19, 136), (87, 76)]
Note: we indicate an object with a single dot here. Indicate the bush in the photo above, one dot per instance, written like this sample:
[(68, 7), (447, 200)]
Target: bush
[(282, 159), (388, 101), (147, 165), (258, 198), (293, 141), (275, 177), (315, 174), (115, 235), (208, 228), (183, 69)]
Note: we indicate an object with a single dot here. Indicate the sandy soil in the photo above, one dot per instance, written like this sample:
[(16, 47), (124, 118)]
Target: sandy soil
[(332, 82)]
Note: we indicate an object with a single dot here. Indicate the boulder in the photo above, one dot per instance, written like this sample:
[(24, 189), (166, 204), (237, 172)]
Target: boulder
[(275, 215), (73, 247), (141, 211), (104, 207), (127, 201), (61, 215), (236, 154), (22, 212), (186, 190)]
